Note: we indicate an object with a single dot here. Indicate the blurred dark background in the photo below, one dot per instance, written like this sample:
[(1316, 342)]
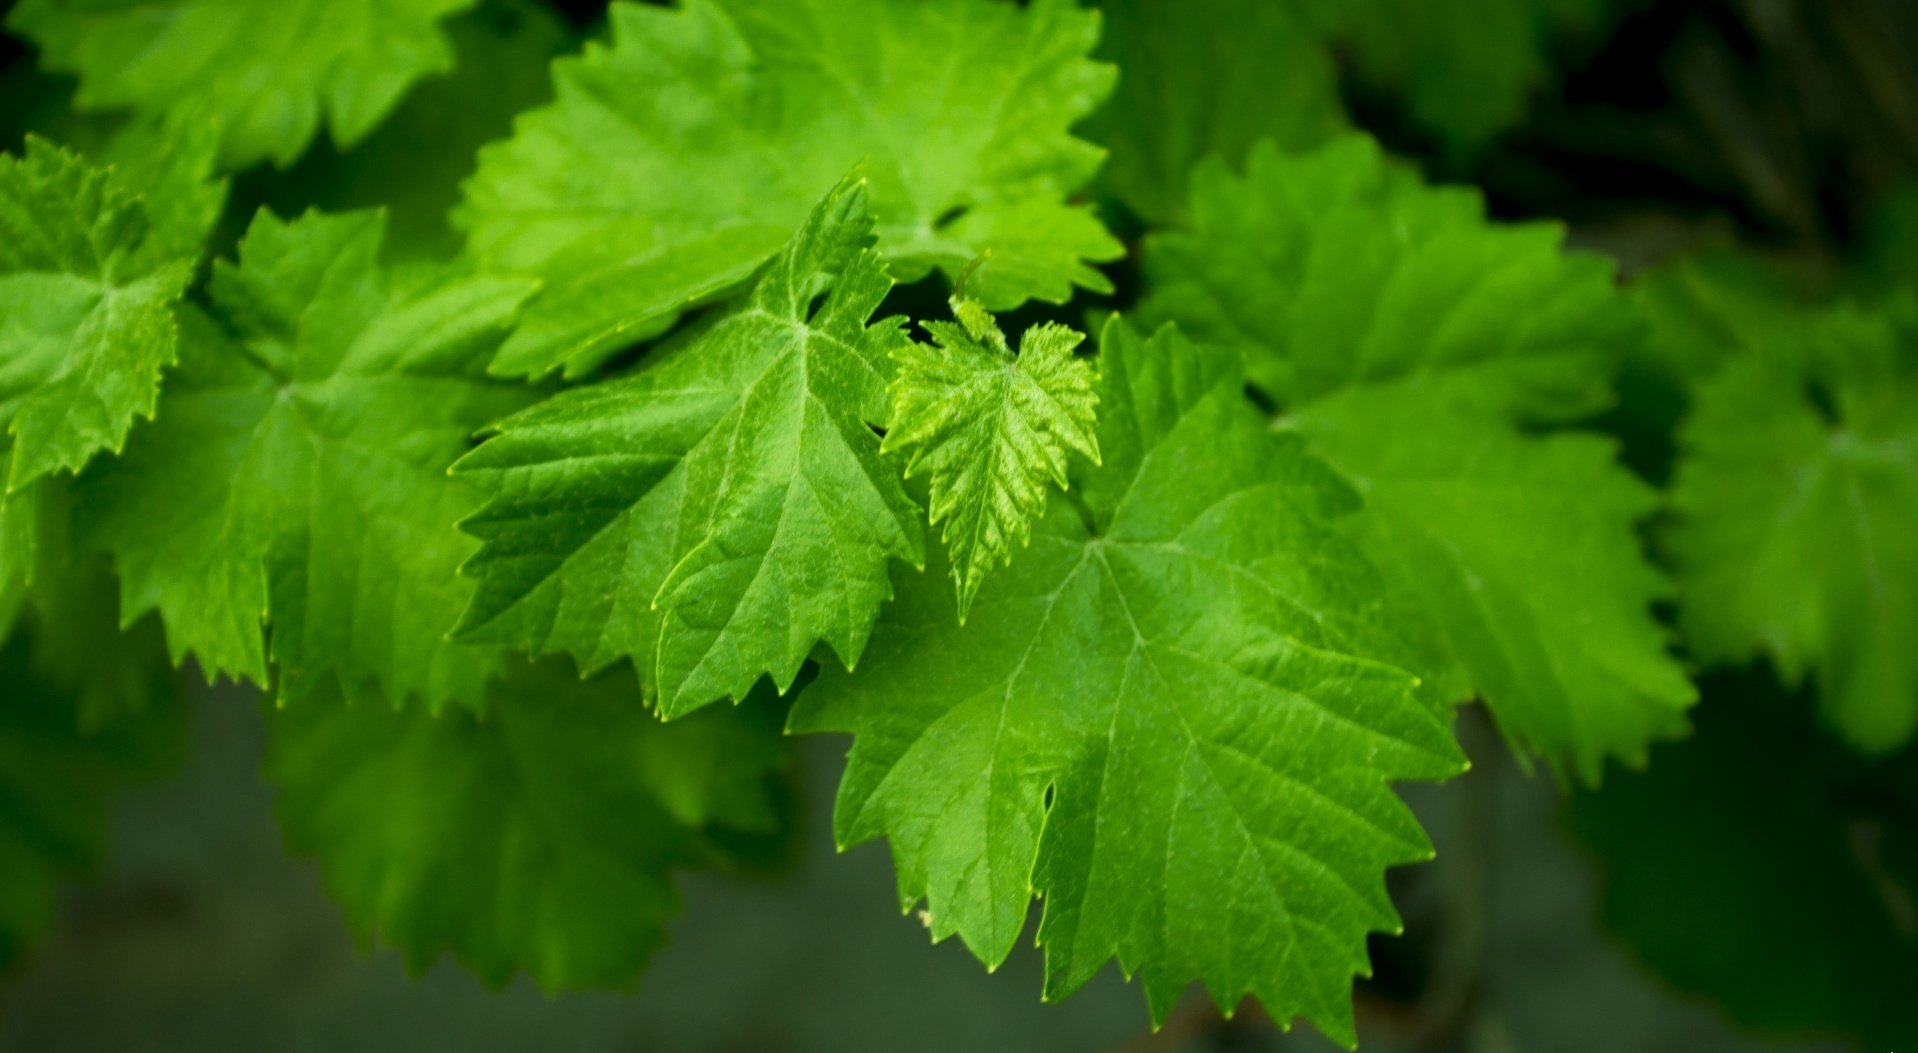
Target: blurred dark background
[(202, 935)]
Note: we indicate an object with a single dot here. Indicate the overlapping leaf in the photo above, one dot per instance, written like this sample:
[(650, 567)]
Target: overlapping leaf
[(680, 157), (88, 280), (86, 310), (722, 509), (1466, 69), (1204, 79), (412, 164), (540, 838), (1409, 340), (1795, 496), (992, 429), (296, 473), (1150, 720), (71, 616), (263, 74)]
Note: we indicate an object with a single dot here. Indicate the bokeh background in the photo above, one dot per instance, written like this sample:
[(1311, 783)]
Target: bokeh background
[(202, 935)]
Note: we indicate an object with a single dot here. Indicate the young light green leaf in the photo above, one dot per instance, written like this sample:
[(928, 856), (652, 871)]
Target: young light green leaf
[(86, 311), (541, 837), (297, 471), (664, 174), (1795, 496), (724, 508), (263, 74), (1151, 721), (992, 428), (1411, 341)]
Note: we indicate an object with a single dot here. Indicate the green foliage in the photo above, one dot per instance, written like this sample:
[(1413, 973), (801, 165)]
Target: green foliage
[(1417, 346), (541, 837), (262, 74), (724, 508), (1364, 468), (86, 294), (992, 428), (297, 473), (89, 274), (680, 157), (1150, 721), (56, 771), (1215, 78), (1467, 68), (1889, 261), (71, 620), (411, 166), (1762, 817), (1795, 497), (1207, 79)]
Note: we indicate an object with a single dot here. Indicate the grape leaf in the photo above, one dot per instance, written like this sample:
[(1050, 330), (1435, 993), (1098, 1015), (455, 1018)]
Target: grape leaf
[(297, 471), (89, 274), (1707, 309), (71, 617), (1760, 815), (993, 428), (540, 837), (412, 164), (722, 509), (1197, 80), (55, 779), (1410, 340), (1795, 497), (680, 157), (86, 310), (1467, 68), (173, 162), (262, 74), (1150, 721)]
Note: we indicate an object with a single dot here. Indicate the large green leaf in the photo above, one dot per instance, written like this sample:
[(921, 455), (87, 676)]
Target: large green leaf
[(678, 158), (724, 508), (263, 74), (1203, 79), (1151, 720), (1795, 498), (296, 473), (541, 837), (1415, 344)]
